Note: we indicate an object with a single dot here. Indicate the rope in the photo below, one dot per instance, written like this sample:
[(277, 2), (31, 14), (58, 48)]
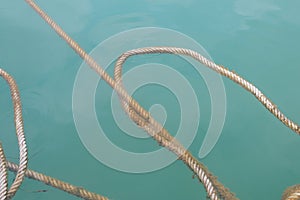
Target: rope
[(292, 193), (219, 69), (71, 189), (209, 183), (21, 141), (3, 175), (215, 190), (21, 169)]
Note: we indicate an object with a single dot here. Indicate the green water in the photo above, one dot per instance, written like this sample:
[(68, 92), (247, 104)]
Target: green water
[(256, 156)]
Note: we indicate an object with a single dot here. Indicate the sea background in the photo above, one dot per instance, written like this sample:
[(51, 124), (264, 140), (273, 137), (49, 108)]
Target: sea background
[(256, 155)]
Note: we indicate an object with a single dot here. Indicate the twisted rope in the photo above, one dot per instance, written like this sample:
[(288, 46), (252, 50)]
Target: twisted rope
[(219, 69), (21, 142), (71, 189), (3, 175), (21, 169), (162, 136), (215, 189)]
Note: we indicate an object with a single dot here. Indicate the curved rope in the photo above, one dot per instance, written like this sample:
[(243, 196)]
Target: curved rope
[(21, 139), (219, 69), (21, 169), (162, 136), (215, 190)]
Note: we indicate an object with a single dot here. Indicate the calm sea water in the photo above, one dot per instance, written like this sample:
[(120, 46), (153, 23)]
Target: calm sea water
[(256, 156)]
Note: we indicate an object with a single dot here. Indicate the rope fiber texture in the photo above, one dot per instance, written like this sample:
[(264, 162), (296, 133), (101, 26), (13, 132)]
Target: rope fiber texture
[(215, 190), (5, 192)]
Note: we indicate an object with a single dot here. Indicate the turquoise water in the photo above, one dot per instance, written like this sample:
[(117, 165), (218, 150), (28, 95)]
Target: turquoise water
[(256, 156)]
